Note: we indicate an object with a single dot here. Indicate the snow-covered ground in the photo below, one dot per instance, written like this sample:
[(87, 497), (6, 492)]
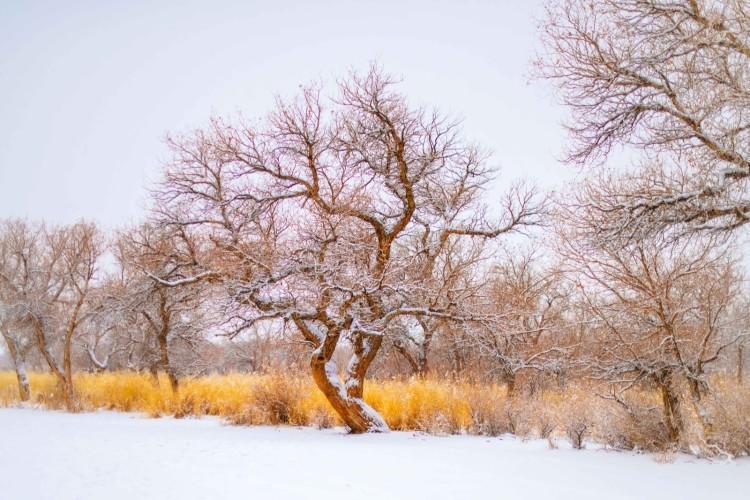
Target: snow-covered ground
[(51, 455)]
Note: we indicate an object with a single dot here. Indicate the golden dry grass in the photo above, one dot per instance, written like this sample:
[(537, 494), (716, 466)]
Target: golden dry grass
[(432, 405), (410, 404), (220, 395)]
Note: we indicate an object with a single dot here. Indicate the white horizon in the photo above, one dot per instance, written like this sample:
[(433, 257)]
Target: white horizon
[(90, 90)]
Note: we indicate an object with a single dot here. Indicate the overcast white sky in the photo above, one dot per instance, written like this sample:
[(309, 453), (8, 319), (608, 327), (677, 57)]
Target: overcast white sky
[(90, 88)]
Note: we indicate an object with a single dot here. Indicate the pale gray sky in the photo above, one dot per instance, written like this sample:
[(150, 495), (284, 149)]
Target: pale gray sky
[(90, 88)]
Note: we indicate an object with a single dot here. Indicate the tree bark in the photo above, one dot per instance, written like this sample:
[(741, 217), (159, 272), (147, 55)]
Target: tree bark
[(357, 415), (414, 365), (458, 360), (64, 384), (671, 406), (423, 365), (509, 377), (67, 351), (696, 397), (365, 349), (418, 363), (164, 362), (162, 337), (99, 366), (153, 370)]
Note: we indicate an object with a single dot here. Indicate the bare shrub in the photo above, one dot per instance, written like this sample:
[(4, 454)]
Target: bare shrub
[(440, 422), (545, 427), (576, 430), (731, 430), (665, 457), (278, 400), (249, 414), (275, 401), (488, 415), (641, 429), (322, 419), (512, 419)]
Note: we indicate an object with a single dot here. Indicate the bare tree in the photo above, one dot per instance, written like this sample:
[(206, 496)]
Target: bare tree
[(13, 250), (452, 272), (76, 250), (526, 333), (167, 315), (110, 330), (672, 78), (48, 284), (18, 347), (654, 311), (310, 218)]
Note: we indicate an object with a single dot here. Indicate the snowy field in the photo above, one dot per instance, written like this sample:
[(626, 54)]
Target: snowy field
[(51, 455)]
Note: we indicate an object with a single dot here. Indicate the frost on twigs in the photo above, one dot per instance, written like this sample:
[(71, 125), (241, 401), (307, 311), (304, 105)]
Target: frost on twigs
[(669, 79)]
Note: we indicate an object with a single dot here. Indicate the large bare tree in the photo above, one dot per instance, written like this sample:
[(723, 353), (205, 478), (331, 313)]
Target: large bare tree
[(672, 79), (309, 218)]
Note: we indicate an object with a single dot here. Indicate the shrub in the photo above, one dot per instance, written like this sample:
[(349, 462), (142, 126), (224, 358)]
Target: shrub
[(576, 429)]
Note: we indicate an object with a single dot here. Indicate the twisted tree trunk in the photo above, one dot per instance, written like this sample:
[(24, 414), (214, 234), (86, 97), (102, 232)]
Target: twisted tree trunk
[(345, 398), (357, 415)]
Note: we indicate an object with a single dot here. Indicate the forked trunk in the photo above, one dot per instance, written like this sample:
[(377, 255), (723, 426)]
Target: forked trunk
[(365, 349), (357, 415), (347, 398), (418, 363), (64, 383), (414, 364)]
